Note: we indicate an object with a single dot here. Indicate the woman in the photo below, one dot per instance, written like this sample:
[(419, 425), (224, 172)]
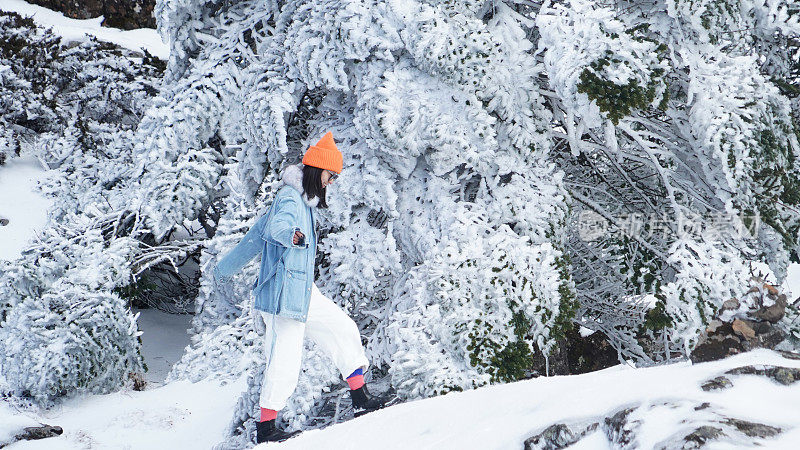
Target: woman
[(289, 303)]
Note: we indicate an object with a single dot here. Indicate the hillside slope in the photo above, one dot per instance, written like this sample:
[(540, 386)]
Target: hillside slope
[(667, 404)]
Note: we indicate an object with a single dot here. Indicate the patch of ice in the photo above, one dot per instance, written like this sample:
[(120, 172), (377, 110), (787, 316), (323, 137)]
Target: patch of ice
[(164, 338)]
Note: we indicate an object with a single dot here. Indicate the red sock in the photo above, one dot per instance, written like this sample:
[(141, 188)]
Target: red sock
[(356, 381), (268, 414)]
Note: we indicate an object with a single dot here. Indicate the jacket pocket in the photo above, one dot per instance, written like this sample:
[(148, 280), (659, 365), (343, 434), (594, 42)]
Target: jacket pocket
[(296, 260), (293, 292)]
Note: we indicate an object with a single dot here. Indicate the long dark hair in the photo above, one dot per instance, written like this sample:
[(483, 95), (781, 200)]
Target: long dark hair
[(312, 184)]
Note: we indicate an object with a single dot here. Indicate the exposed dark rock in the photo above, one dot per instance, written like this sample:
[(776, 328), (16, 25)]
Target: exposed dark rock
[(3, 221), (713, 326), (129, 14), (789, 355), (769, 337), (589, 353), (731, 304), (772, 313), (559, 436), (717, 383), (711, 426), (615, 427), (734, 432), (619, 430), (731, 431), (42, 432), (125, 14), (717, 346), (753, 429), (576, 354), (702, 435), (34, 433), (737, 329), (783, 375), (556, 362), (769, 303)]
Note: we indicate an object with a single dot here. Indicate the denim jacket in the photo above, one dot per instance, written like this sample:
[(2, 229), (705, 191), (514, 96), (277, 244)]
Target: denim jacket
[(286, 274)]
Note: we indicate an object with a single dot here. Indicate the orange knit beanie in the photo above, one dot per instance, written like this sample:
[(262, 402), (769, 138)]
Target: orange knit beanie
[(324, 155)]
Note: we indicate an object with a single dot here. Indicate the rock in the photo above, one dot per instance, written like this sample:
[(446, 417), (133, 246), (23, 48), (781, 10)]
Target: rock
[(125, 14), (753, 429), (559, 436), (774, 312), (622, 428), (713, 325), (717, 383), (3, 221), (743, 324), (576, 354), (615, 427), (703, 434), (720, 432), (759, 327), (767, 336), (129, 14), (783, 375), (589, 353), (42, 432), (619, 430), (716, 346), (767, 303), (741, 328), (789, 355), (731, 304), (740, 336)]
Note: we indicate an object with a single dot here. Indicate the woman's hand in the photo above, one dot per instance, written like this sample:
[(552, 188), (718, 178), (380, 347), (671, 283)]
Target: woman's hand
[(298, 236)]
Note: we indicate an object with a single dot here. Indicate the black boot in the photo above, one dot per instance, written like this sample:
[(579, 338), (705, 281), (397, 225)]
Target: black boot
[(266, 431), (364, 403)]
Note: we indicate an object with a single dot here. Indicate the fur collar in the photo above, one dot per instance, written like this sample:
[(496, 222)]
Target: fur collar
[(293, 176)]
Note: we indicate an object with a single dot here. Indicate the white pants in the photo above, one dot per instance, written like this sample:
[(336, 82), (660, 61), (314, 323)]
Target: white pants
[(328, 326)]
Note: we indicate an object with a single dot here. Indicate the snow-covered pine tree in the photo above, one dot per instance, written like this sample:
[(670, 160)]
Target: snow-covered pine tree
[(25, 112), (670, 113), (445, 233), (62, 327), (65, 325)]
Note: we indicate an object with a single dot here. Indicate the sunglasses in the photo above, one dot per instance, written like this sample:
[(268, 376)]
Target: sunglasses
[(332, 175)]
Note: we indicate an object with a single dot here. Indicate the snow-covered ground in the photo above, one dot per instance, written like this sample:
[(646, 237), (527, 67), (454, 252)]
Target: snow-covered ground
[(503, 416), (24, 208), (164, 339), (182, 415), (75, 29)]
